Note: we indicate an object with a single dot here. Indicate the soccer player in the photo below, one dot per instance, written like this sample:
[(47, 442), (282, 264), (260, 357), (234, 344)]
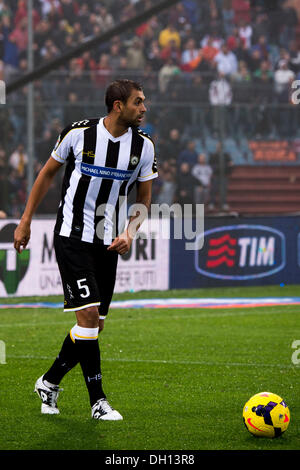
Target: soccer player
[(105, 158)]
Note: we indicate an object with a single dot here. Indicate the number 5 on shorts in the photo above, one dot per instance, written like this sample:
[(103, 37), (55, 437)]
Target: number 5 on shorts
[(80, 284)]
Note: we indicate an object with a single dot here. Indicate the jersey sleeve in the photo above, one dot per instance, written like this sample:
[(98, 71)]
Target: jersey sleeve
[(63, 145), (148, 169)]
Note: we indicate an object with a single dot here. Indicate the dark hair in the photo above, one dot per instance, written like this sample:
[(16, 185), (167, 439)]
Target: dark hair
[(120, 90)]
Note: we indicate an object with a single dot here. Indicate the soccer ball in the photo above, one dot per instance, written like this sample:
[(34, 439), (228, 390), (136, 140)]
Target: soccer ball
[(266, 415)]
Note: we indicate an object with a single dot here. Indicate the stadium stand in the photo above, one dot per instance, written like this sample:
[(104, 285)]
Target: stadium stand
[(224, 66)]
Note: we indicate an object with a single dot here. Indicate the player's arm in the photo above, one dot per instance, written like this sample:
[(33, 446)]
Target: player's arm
[(122, 243), (38, 191)]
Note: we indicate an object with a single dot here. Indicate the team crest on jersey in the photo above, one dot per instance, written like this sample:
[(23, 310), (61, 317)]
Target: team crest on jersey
[(134, 160)]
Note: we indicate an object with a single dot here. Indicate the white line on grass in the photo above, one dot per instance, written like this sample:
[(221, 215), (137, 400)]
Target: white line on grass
[(235, 313), (168, 361)]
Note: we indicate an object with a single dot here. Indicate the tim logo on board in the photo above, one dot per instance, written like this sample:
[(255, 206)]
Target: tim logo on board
[(241, 252)]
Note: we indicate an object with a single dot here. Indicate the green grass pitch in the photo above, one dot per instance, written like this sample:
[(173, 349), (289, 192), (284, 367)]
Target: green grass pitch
[(180, 377)]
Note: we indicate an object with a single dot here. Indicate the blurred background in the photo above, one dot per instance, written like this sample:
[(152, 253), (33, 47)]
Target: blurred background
[(217, 75)]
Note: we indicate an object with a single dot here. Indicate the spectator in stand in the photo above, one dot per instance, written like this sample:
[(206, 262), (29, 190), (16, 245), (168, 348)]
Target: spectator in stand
[(294, 62), (19, 35), (264, 97), (242, 11), (214, 40), (190, 52), (148, 127), (153, 55), (170, 146), (185, 184), (70, 9), (104, 18), (21, 13), (135, 54), (166, 73), (77, 33), (284, 54), (45, 145), (209, 50), (242, 113), (226, 61), (245, 33), (115, 54), (167, 34), (220, 97), (262, 46), (43, 32), (192, 11), (254, 61), (264, 69), (86, 62), (242, 76), (127, 11), (283, 78), (178, 16), (228, 17), (197, 90), (260, 25), (76, 80), (188, 154), (62, 31), (48, 6), (233, 40), (11, 52), (18, 161), (290, 23), (167, 192), (241, 52), (221, 165), (104, 71), (202, 173), (73, 110), (171, 51)]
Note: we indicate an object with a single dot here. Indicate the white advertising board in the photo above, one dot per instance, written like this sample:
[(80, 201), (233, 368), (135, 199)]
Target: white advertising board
[(35, 271)]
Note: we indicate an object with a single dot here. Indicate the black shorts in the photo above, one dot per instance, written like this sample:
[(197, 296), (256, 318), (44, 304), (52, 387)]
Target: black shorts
[(88, 273)]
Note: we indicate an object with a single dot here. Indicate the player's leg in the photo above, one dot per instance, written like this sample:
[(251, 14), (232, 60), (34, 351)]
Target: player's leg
[(85, 337), (105, 268), (80, 290), (106, 279), (77, 263)]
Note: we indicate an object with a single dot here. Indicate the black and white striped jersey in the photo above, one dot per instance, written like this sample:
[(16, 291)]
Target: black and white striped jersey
[(100, 172)]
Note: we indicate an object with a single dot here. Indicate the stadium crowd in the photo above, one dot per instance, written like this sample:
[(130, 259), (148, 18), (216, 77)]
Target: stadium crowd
[(241, 55)]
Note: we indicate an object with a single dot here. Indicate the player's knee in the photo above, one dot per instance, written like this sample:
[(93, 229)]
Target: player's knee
[(88, 317)]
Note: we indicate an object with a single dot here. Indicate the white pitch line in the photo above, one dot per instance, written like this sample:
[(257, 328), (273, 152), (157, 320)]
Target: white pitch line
[(172, 362), (235, 313)]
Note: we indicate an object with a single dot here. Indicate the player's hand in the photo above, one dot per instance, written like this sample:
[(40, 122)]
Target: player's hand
[(121, 244), (101, 325), (21, 236)]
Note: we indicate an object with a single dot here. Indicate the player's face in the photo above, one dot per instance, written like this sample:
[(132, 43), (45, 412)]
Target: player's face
[(132, 112)]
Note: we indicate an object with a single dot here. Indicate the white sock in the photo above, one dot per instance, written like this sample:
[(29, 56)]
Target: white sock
[(79, 332)]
